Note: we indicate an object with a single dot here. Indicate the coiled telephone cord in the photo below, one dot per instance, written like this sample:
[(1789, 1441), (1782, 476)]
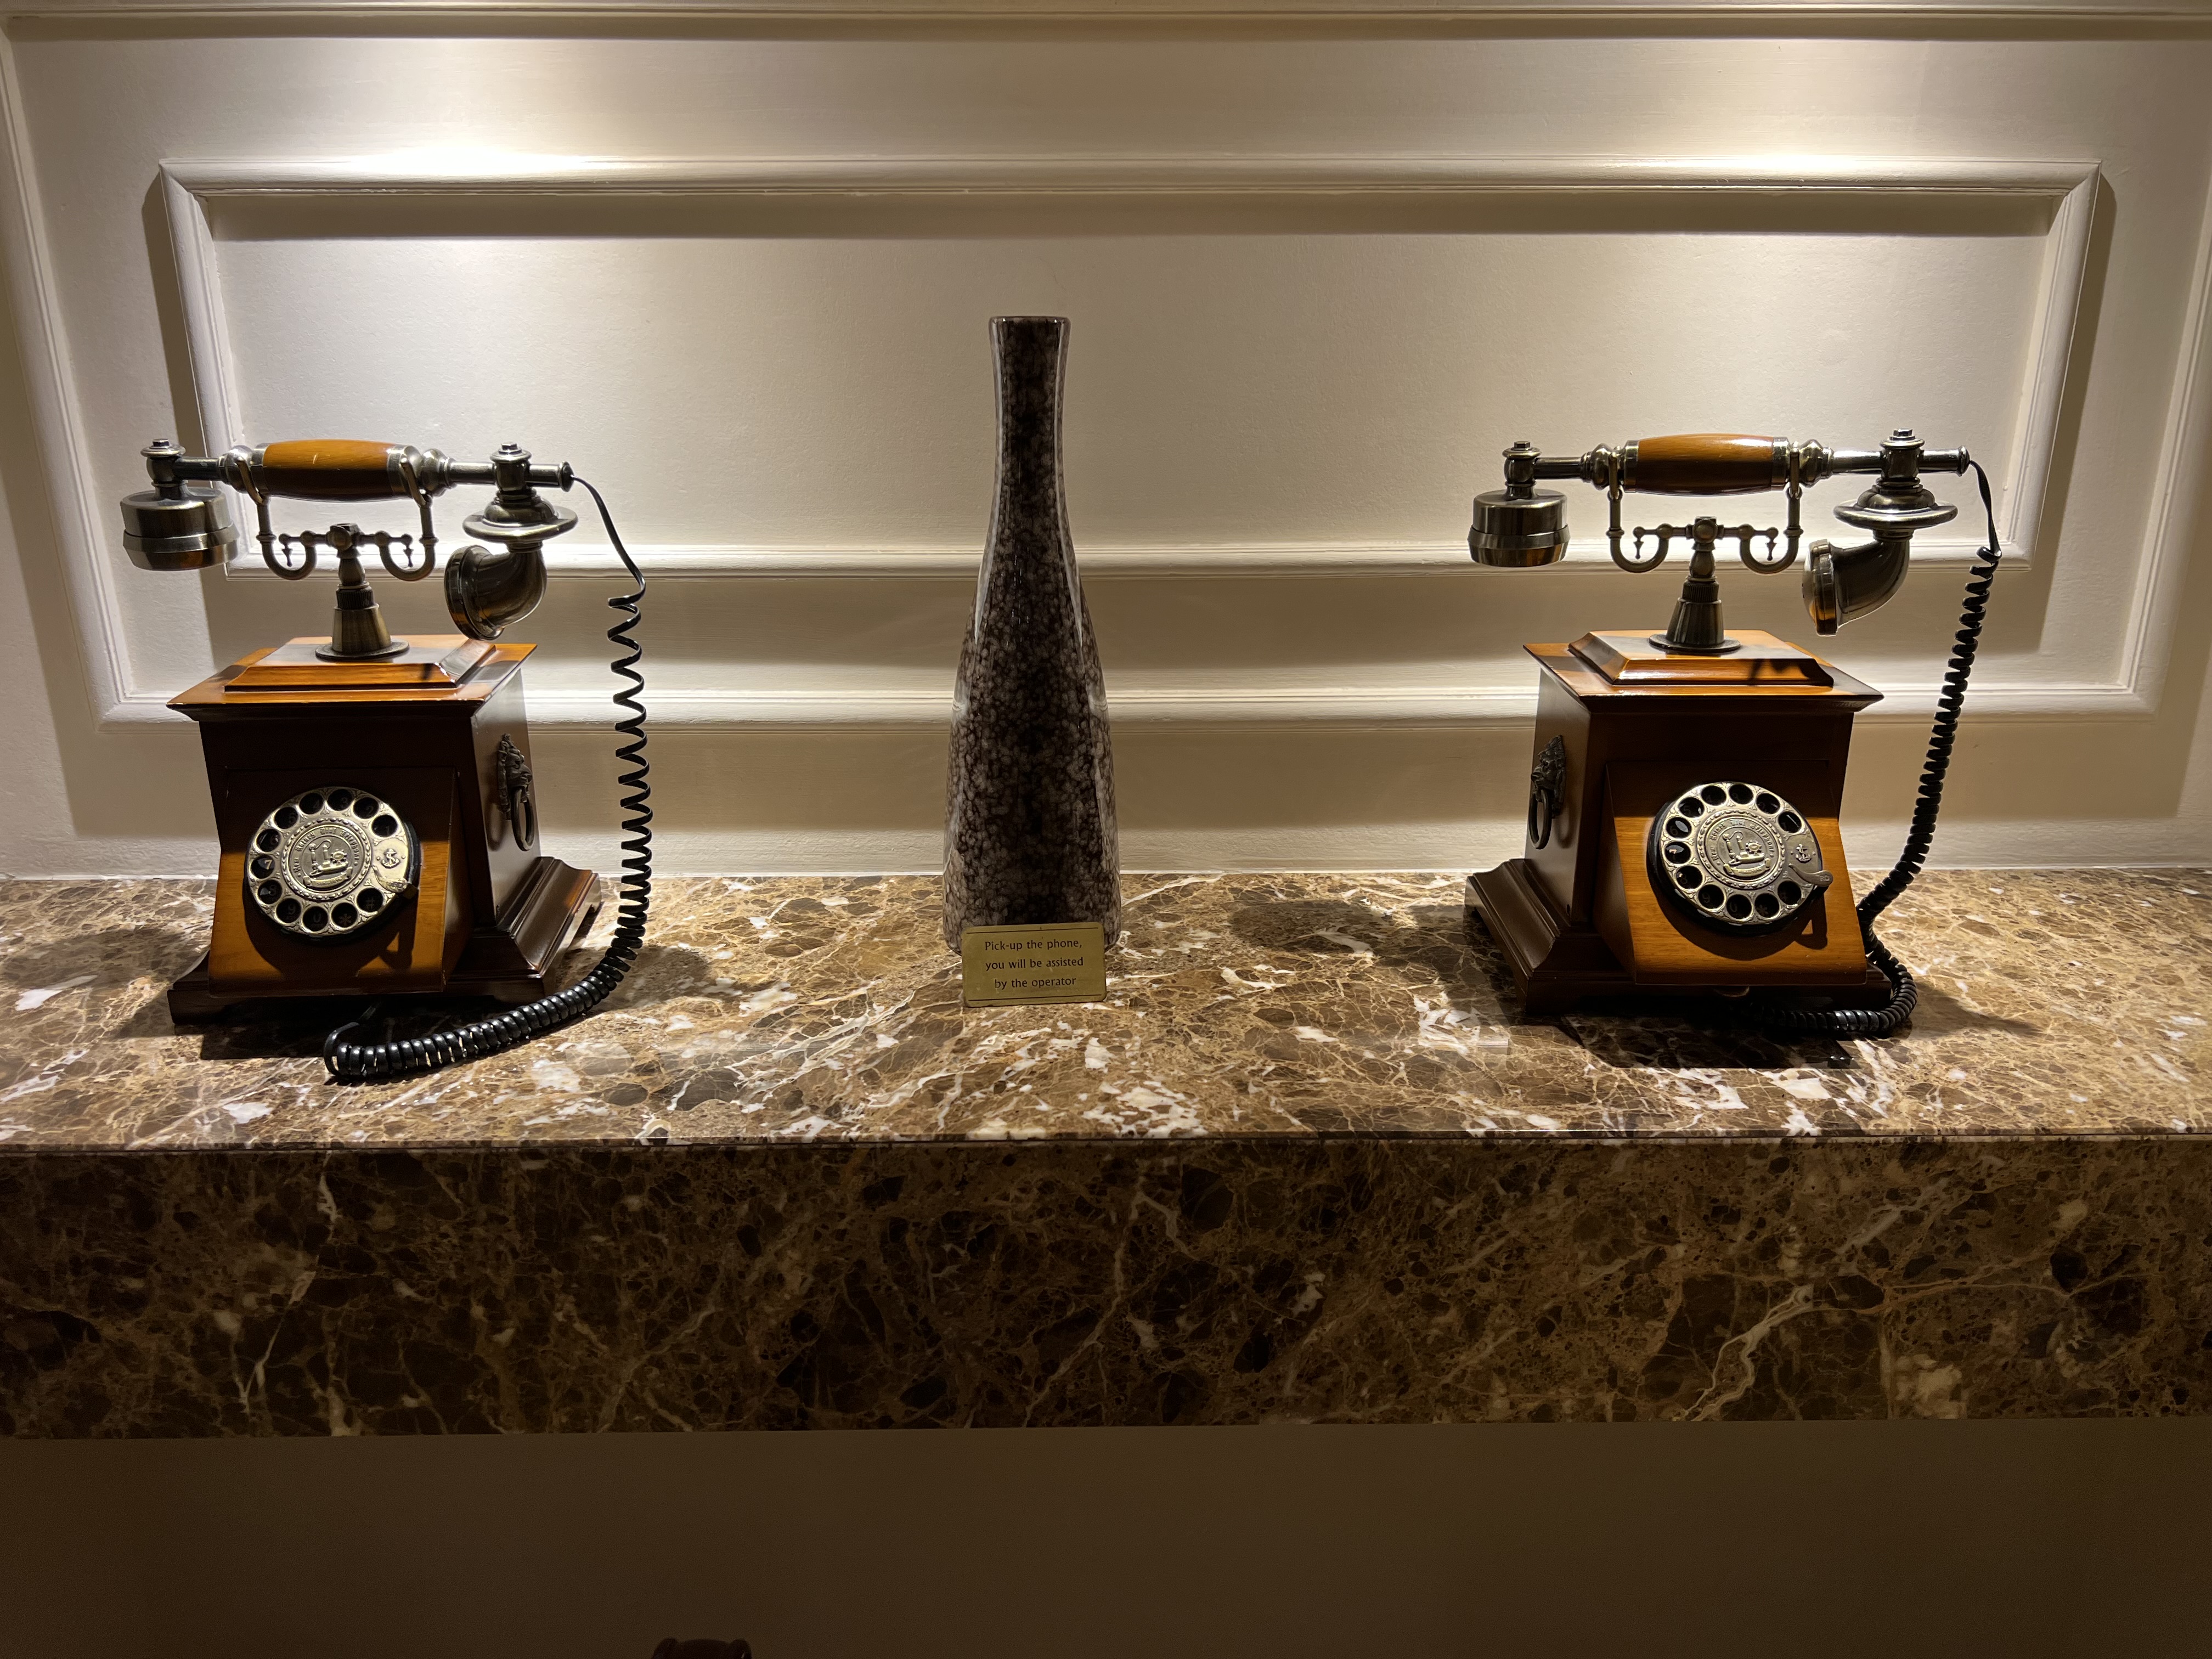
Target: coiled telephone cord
[(1904, 994), (490, 1035)]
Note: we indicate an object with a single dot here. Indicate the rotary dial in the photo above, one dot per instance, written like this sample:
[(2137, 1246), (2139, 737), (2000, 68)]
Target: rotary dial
[(1736, 857), (332, 863)]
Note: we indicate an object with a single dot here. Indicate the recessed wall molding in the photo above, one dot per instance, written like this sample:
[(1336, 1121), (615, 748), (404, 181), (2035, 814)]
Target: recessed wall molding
[(1284, 708), (196, 194), (1281, 708), (1888, 16), (195, 191)]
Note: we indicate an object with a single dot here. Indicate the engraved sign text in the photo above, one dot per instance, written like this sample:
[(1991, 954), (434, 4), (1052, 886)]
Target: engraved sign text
[(1058, 962)]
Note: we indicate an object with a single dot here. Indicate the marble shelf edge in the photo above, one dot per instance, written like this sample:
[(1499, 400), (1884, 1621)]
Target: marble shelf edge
[(1083, 1284)]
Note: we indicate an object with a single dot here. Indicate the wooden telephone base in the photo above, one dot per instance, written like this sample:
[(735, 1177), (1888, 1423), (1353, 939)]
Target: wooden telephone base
[(1622, 727), (439, 735)]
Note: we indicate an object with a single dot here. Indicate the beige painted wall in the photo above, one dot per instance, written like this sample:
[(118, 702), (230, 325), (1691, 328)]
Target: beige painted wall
[(1281, 396), (1545, 1542)]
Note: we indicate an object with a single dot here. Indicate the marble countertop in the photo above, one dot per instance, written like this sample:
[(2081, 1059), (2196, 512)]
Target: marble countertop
[(1306, 1165), (791, 1009)]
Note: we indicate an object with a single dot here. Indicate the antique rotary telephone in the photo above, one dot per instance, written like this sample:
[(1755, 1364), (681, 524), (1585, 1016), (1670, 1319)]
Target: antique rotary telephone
[(374, 795), (1682, 832)]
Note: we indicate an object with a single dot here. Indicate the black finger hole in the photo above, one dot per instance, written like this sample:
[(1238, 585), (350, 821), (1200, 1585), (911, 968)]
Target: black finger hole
[(1739, 907), (386, 825), (1675, 852), (1740, 794), (1790, 891), (369, 900), (1713, 794), (1709, 897), (269, 892), (287, 816), (1693, 806), (364, 806), (1791, 821), (1678, 826), (264, 865), (338, 800), (266, 841), (311, 802), (316, 920), (288, 911), (1689, 876), (1767, 803), (344, 915), (1767, 906)]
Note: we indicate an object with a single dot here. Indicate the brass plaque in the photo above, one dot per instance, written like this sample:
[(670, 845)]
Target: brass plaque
[(1058, 962)]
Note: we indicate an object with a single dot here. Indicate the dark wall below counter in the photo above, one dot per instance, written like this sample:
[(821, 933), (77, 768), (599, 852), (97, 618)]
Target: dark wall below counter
[(577, 1289), (1831, 1540)]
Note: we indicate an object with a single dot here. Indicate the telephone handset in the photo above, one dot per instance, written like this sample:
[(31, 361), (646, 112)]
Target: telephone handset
[(374, 795), (1682, 833)]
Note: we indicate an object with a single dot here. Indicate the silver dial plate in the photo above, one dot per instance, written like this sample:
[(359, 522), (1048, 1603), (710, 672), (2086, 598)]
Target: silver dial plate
[(1734, 856), (332, 863)]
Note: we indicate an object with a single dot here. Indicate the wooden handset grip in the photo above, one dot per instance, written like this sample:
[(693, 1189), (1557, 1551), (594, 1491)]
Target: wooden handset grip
[(330, 470), (1705, 464)]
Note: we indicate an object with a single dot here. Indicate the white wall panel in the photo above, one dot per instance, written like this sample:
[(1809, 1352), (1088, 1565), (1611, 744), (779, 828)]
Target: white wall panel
[(1332, 383), (740, 278)]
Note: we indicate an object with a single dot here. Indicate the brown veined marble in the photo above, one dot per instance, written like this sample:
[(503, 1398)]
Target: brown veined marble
[(581, 1289), (818, 1009), (1305, 1165)]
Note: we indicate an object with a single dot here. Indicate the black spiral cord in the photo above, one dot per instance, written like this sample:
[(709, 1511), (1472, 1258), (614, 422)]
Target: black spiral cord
[(359, 1060), (1905, 995)]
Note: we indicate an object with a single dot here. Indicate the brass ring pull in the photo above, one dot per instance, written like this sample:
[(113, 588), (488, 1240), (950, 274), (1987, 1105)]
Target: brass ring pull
[(1539, 818)]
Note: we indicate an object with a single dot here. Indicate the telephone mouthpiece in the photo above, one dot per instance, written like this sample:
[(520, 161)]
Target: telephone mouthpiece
[(1842, 584), (1515, 531), (188, 529)]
